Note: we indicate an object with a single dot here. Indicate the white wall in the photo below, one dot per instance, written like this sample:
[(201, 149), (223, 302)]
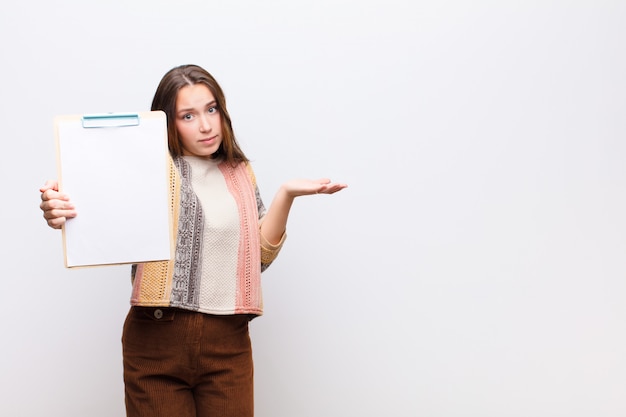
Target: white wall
[(475, 265)]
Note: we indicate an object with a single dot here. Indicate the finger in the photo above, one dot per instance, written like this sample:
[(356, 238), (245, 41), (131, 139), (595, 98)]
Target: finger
[(57, 218), (47, 195), (57, 208), (50, 195), (56, 223), (49, 212), (333, 188)]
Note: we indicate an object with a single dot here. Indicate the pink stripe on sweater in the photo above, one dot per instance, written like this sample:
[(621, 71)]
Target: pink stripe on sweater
[(249, 252)]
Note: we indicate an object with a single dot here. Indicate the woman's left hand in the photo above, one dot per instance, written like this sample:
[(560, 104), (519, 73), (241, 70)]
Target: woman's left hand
[(298, 187)]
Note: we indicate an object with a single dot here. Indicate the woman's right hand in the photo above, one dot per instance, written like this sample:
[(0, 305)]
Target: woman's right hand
[(56, 206)]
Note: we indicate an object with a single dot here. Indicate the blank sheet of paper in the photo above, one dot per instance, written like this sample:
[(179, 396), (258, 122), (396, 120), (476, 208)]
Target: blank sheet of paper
[(118, 179)]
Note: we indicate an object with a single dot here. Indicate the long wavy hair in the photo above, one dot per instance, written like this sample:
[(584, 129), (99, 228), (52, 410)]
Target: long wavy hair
[(165, 100)]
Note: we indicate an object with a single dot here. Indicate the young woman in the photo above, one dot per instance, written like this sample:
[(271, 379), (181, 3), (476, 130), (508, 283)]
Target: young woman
[(186, 345)]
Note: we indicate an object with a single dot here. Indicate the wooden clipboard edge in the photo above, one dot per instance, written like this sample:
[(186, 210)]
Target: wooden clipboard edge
[(58, 120), (168, 166)]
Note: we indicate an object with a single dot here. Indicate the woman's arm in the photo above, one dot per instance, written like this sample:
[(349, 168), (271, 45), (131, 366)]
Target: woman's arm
[(275, 221)]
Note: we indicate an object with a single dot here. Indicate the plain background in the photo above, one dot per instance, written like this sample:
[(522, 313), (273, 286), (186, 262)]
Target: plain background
[(475, 265)]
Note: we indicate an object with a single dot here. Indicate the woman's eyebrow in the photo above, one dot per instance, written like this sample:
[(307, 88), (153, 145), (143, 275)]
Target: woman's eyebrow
[(211, 103)]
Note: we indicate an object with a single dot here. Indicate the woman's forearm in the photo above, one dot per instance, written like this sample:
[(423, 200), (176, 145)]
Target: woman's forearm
[(275, 221)]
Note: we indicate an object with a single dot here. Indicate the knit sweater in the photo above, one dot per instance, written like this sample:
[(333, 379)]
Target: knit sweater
[(220, 253)]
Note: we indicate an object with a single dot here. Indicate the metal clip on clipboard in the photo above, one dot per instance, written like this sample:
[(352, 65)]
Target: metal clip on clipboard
[(110, 120)]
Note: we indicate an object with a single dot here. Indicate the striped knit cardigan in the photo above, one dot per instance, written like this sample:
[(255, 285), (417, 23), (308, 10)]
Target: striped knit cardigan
[(176, 283)]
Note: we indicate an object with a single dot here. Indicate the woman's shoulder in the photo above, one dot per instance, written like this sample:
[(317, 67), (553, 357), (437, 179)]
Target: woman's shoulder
[(248, 166), (245, 167)]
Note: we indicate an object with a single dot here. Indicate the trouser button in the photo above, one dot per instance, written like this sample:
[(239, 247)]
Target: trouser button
[(158, 313)]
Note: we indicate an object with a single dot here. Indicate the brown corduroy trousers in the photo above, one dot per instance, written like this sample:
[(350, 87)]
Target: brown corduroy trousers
[(180, 363)]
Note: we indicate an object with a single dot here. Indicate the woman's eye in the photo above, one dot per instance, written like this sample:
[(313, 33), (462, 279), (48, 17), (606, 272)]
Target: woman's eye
[(187, 117), (212, 109)]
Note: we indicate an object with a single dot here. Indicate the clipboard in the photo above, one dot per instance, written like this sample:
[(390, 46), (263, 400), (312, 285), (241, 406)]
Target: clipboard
[(115, 169)]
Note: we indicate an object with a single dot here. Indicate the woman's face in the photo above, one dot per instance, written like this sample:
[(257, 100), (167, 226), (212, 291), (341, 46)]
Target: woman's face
[(198, 121)]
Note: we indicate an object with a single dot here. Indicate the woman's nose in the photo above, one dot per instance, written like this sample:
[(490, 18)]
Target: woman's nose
[(205, 126)]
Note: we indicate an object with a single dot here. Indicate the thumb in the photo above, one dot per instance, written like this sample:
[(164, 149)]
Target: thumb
[(50, 185)]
